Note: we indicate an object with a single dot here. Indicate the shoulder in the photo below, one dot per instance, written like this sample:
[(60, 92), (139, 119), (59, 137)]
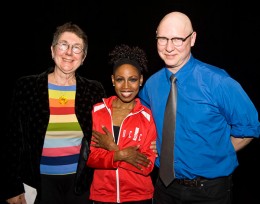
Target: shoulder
[(89, 82), (159, 73), (156, 77), (146, 112), (210, 73), (35, 78), (93, 87), (98, 106), (215, 76), (210, 69), (26, 81)]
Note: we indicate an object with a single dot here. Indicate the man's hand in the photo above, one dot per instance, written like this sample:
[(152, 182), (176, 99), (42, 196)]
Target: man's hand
[(153, 147)]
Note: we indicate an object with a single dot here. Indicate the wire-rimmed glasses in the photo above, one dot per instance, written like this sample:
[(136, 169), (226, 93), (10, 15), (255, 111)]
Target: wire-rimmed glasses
[(63, 46)]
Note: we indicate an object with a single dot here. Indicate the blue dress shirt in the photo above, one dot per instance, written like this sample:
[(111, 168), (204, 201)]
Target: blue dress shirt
[(211, 106)]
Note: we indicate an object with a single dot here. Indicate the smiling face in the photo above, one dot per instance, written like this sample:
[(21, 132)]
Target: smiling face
[(66, 60), (127, 81), (175, 25)]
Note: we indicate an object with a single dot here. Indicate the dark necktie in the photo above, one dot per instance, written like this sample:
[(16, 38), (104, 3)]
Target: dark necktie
[(167, 148)]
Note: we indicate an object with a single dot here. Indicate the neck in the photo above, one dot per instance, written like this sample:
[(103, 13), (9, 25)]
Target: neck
[(65, 80), (121, 105)]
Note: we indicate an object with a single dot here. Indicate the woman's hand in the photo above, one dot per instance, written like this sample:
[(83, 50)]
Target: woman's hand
[(20, 199), (132, 156), (105, 141)]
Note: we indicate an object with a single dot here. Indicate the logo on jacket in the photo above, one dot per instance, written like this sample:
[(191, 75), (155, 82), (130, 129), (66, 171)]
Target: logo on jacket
[(135, 136)]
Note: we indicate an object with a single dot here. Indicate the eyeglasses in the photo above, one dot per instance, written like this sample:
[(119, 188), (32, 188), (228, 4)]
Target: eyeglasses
[(63, 46), (176, 41)]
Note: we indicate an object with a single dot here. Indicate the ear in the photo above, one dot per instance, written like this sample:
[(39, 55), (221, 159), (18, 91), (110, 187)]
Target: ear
[(52, 52), (193, 38), (83, 58), (141, 80), (113, 79)]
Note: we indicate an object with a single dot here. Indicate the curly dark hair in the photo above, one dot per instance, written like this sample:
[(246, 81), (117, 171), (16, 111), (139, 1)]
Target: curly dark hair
[(123, 54)]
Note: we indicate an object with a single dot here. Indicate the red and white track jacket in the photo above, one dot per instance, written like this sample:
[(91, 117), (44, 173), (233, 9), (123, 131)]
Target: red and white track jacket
[(120, 181)]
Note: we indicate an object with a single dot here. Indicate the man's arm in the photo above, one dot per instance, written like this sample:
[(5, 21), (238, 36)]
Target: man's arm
[(240, 143)]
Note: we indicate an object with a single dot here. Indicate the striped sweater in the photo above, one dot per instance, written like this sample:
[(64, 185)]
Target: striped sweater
[(63, 137)]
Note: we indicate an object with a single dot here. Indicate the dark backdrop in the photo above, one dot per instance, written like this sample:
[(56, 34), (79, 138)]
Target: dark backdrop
[(227, 36)]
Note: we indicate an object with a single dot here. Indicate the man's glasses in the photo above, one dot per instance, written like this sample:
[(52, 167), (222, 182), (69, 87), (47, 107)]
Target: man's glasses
[(63, 46), (176, 41)]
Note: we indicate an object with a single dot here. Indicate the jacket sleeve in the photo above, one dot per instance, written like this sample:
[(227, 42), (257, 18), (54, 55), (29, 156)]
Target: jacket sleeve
[(100, 158), (11, 178)]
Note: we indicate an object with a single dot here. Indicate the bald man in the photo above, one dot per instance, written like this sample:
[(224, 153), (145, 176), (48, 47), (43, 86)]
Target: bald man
[(215, 118)]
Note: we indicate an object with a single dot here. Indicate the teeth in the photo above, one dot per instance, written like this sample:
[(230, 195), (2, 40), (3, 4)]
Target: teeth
[(126, 94)]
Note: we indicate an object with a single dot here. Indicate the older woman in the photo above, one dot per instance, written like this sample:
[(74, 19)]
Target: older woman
[(49, 120)]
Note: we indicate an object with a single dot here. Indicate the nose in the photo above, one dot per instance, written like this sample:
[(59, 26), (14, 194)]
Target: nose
[(69, 50), (170, 46), (125, 85)]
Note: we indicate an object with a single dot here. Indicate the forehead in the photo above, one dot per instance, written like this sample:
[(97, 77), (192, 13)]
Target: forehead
[(126, 69), (71, 38), (174, 26)]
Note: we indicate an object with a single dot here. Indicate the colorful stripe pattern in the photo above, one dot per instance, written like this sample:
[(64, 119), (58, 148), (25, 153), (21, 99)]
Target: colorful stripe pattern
[(63, 137)]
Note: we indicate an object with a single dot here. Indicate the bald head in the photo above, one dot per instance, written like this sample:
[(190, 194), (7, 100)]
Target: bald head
[(176, 37), (175, 22)]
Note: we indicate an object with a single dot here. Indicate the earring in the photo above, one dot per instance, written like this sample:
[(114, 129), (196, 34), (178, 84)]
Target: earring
[(140, 84), (113, 84)]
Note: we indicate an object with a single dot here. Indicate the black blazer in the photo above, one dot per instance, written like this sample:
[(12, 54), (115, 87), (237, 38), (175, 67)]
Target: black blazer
[(27, 125)]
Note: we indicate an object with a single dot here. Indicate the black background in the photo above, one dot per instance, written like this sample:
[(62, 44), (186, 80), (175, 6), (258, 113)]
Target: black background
[(228, 36)]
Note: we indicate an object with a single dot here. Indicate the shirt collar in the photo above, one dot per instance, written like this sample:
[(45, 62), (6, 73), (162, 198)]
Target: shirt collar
[(185, 71)]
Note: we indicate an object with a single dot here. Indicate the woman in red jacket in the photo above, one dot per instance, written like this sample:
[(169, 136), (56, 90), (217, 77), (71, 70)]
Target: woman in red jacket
[(122, 169)]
